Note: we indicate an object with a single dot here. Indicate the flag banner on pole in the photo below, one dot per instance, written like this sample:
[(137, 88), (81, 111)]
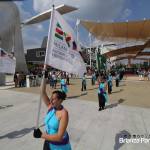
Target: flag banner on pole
[(7, 62), (77, 22), (62, 50)]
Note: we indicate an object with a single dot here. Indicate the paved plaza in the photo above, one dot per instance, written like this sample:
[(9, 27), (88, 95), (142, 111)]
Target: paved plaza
[(127, 113)]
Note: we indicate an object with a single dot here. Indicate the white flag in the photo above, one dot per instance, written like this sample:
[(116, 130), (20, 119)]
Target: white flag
[(89, 34), (77, 22), (7, 62), (62, 51)]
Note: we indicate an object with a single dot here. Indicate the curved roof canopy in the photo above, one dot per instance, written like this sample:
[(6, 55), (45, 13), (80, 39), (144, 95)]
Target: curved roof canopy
[(62, 9), (131, 57), (136, 50), (129, 30), (136, 31)]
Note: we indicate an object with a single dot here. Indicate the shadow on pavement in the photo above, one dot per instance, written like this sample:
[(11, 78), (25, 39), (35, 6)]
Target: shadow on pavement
[(115, 104), (76, 96), (5, 106), (92, 89), (17, 134), (121, 135), (123, 85), (117, 91)]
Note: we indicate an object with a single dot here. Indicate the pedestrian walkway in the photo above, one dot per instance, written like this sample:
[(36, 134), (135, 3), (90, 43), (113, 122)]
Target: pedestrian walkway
[(89, 129)]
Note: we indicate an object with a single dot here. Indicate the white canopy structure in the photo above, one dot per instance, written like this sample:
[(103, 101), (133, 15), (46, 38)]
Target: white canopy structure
[(130, 37), (138, 30), (62, 9)]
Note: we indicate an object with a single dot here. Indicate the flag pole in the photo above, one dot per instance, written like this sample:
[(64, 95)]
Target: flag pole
[(90, 50), (77, 25), (48, 46)]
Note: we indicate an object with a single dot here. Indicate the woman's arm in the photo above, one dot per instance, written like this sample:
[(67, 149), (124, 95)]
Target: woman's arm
[(106, 85), (62, 128), (43, 92)]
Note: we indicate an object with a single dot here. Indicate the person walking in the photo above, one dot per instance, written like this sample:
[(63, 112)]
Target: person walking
[(102, 95), (93, 79), (109, 83), (67, 79), (83, 83), (56, 121), (54, 80), (117, 79), (15, 79), (63, 84)]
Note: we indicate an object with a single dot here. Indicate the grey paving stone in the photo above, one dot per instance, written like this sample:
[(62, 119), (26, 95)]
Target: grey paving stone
[(89, 129)]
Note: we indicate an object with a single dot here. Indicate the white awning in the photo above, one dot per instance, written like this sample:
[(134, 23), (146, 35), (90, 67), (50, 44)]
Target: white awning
[(62, 9), (138, 30)]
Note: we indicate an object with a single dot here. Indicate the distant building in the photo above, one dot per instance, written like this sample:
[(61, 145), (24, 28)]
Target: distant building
[(36, 55)]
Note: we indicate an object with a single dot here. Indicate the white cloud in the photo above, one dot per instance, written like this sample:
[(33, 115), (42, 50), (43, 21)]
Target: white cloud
[(23, 13), (127, 12), (30, 39), (38, 27), (88, 9)]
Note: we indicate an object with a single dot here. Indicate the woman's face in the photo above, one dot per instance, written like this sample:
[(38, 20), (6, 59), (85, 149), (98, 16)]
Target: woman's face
[(55, 101)]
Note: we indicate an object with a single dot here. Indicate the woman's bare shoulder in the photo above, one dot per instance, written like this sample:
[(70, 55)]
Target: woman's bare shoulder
[(64, 112)]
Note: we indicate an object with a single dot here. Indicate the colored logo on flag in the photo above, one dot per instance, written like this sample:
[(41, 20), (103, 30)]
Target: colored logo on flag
[(67, 38), (60, 34)]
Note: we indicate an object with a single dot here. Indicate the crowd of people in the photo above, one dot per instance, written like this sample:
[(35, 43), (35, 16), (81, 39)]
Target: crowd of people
[(143, 74), (20, 79)]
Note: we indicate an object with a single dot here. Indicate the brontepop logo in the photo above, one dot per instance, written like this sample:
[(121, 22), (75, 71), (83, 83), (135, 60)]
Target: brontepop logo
[(134, 139)]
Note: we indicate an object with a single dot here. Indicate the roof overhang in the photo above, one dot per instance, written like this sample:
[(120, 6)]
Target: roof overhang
[(62, 9), (132, 50), (114, 30), (130, 57)]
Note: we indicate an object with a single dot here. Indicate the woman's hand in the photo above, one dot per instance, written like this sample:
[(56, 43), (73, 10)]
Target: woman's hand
[(37, 133)]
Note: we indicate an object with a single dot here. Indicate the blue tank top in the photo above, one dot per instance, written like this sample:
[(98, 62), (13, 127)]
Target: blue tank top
[(52, 124), (101, 88)]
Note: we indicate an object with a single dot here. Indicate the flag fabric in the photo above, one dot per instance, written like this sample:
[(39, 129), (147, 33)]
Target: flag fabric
[(62, 50), (77, 22), (59, 33), (89, 34), (7, 62)]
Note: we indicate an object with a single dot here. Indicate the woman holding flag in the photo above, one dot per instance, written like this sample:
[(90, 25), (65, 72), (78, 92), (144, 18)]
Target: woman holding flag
[(60, 50), (56, 121)]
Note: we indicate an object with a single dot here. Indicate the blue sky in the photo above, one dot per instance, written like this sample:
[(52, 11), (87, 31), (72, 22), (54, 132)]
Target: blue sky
[(103, 10)]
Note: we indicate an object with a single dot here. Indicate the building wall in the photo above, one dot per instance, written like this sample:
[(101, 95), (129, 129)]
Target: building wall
[(36, 56)]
